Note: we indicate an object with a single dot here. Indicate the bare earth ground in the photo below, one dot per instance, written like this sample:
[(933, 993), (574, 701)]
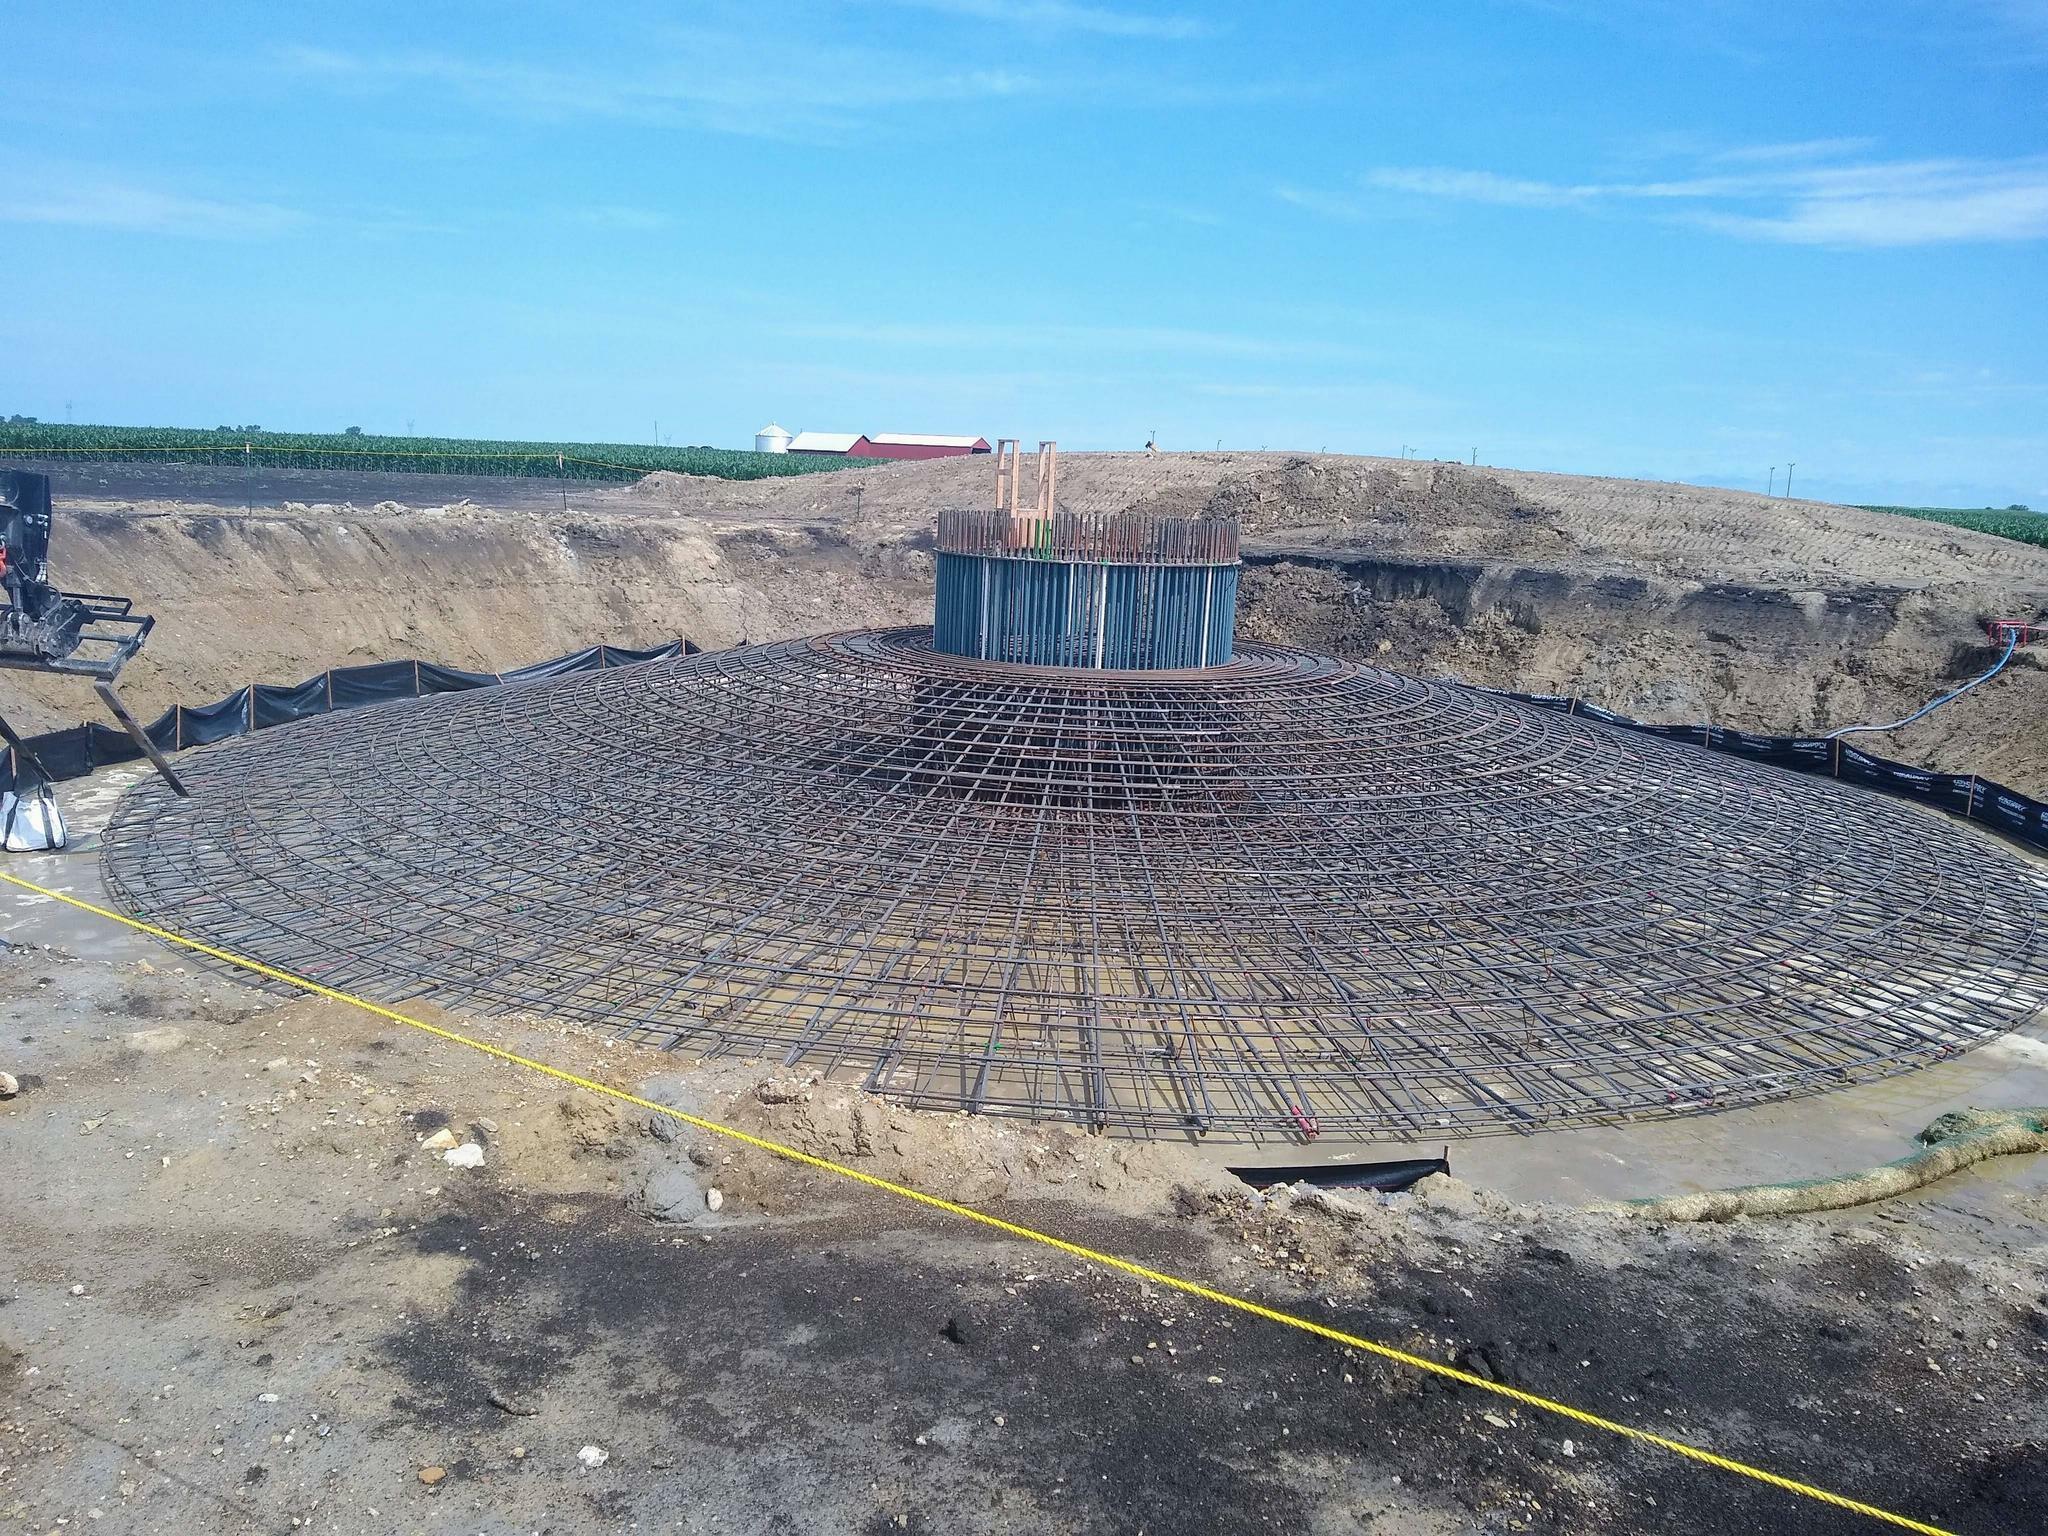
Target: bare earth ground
[(237, 1294), (1668, 602)]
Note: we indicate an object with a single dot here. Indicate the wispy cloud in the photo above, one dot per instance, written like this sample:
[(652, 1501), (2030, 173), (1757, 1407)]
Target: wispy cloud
[(1067, 338), (87, 196), (810, 86), (117, 205), (696, 79), (1177, 213), (1798, 149), (620, 218), (1063, 16), (1793, 193)]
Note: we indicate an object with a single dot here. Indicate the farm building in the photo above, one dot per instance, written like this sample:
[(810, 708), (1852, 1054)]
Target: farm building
[(837, 443), (904, 445), (886, 445)]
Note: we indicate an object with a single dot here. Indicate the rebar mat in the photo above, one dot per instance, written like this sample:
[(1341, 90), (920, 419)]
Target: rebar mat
[(1286, 896)]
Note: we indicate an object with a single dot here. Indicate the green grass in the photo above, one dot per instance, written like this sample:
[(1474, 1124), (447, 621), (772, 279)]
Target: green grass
[(2026, 527), (416, 455)]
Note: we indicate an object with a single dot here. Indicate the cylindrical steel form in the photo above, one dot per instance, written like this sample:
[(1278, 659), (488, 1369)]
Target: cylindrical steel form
[(1115, 591)]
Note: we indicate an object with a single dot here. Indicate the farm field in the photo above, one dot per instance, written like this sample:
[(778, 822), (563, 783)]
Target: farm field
[(2004, 522), (610, 462)]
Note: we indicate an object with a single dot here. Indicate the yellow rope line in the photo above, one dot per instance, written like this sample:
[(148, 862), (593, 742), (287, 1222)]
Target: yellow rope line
[(1010, 1228)]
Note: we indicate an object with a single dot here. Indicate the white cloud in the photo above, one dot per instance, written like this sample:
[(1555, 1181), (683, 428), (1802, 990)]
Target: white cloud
[(1062, 16), (104, 204), (1801, 149), (1331, 205), (809, 87), (1794, 193), (725, 83), (620, 218), (2016, 210), (1476, 187), (1066, 338)]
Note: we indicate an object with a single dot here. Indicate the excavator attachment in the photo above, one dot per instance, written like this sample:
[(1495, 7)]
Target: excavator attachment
[(66, 634)]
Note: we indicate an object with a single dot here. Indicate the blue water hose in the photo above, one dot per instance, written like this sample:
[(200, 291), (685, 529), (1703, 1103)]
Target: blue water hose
[(2012, 643)]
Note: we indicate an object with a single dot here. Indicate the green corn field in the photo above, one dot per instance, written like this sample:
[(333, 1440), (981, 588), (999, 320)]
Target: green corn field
[(615, 462), (2005, 522)]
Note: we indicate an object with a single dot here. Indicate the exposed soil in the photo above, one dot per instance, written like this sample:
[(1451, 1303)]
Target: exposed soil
[(1668, 602), (239, 1291)]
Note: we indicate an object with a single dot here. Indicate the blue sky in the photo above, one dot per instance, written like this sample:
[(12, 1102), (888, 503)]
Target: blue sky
[(1685, 239)]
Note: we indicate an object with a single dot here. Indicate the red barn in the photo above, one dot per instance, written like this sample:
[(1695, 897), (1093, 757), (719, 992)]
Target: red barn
[(906, 445)]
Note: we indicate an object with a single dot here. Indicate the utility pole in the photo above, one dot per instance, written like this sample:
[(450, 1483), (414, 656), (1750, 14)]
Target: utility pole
[(1774, 482), (1475, 458), (1788, 479)]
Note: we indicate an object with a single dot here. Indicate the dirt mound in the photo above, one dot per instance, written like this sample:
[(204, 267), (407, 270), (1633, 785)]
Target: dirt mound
[(971, 1159), (1440, 509)]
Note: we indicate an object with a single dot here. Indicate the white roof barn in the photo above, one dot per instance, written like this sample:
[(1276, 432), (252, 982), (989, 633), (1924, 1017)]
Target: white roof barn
[(823, 442)]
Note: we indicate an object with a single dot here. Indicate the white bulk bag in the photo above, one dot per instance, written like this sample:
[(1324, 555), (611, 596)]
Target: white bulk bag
[(31, 823)]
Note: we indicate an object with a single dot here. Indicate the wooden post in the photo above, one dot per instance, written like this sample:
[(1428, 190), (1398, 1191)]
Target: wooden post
[(141, 738)]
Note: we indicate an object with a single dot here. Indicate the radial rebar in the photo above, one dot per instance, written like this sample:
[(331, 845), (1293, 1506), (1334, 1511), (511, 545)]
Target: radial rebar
[(1286, 895)]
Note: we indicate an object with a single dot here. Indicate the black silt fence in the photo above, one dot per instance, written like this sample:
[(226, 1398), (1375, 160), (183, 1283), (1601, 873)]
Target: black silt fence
[(1972, 796), (77, 750)]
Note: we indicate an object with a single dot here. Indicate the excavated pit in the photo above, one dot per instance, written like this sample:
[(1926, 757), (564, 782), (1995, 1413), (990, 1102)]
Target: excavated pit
[(1287, 896)]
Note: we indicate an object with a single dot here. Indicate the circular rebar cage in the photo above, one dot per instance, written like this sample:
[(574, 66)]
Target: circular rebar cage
[(1283, 895)]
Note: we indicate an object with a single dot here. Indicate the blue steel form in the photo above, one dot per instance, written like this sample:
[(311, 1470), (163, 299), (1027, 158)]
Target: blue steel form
[(1119, 591)]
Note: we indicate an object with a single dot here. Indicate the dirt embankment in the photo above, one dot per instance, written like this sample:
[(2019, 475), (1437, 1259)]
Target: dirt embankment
[(1668, 602), (1752, 657), (276, 596)]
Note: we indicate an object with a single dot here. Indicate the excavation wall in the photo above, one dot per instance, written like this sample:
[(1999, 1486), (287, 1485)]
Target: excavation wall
[(1751, 657), (1668, 603), (271, 597)]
